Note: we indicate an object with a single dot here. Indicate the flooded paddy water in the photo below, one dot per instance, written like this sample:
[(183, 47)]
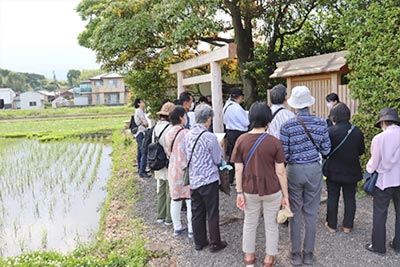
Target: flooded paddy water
[(50, 193)]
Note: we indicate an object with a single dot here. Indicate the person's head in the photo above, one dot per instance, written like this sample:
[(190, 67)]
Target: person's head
[(165, 110), (203, 100), (278, 94), (237, 95), (203, 114), (177, 116), (139, 103), (301, 97), (177, 102), (332, 99), (340, 113), (259, 115), (165, 100), (186, 100), (387, 117), (209, 99)]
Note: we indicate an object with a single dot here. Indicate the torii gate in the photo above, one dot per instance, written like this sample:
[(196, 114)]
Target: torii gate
[(212, 58)]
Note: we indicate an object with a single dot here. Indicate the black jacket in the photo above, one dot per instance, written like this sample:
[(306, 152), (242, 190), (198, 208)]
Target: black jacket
[(344, 165)]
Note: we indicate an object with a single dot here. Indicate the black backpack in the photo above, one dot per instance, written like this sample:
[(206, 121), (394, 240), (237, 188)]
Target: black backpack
[(156, 157), (133, 126)]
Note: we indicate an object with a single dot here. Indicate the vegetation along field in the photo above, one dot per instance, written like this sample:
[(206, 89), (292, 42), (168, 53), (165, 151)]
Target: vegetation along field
[(67, 191)]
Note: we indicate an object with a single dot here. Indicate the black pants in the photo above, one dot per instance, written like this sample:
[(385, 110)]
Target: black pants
[(205, 205), (349, 197), (381, 205), (232, 136)]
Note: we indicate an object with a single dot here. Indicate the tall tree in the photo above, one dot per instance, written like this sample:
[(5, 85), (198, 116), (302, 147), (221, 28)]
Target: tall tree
[(128, 33), (73, 77)]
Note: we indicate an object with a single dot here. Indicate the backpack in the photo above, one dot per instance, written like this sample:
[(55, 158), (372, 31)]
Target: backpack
[(133, 126), (156, 157)]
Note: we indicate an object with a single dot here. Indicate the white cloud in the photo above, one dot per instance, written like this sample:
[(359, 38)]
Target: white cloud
[(40, 36)]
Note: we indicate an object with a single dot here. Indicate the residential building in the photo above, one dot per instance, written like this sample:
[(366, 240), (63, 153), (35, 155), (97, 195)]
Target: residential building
[(109, 89), (6, 97), (83, 94), (31, 100)]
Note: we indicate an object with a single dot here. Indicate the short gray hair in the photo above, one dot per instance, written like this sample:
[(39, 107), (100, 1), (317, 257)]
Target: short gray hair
[(278, 94), (202, 113)]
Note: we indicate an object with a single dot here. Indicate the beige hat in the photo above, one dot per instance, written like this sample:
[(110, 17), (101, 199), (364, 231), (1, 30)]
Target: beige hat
[(166, 109), (284, 214), (301, 97)]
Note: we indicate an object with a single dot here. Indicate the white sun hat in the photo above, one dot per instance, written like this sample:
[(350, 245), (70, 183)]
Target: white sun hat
[(301, 97)]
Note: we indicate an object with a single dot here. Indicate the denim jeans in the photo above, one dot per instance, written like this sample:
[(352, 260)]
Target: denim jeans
[(141, 157)]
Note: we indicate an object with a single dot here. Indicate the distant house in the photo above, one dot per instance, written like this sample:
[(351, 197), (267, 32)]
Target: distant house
[(17, 102), (47, 95), (6, 97), (31, 100), (109, 89), (83, 94), (60, 102)]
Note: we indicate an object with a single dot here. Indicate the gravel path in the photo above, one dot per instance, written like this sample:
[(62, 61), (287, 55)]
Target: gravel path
[(337, 249)]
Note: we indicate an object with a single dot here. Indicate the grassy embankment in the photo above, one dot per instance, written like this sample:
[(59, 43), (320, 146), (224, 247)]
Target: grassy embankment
[(119, 241)]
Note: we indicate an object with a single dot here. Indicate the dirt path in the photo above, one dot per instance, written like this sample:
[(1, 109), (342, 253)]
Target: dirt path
[(336, 249)]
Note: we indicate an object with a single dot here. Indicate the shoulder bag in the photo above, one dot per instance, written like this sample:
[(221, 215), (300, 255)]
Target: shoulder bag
[(370, 182), (186, 180)]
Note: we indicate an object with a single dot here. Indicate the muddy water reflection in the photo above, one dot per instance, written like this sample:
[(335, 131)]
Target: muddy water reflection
[(50, 194)]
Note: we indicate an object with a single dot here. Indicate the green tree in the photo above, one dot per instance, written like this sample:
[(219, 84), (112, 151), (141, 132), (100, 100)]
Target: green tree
[(87, 74), (73, 77), (16, 81), (126, 34), (372, 37)]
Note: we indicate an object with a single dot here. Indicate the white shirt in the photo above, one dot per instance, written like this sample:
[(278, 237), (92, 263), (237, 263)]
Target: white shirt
[(283, 115), (235, 117)]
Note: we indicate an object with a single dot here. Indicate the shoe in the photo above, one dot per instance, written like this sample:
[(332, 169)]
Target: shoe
[(160, 220), (347, 230), (144, 175), (250, 262), (270, 263), (295, 259), (369, 247), (220, 246), (190, 234), (308, 258), (330, 230), (392, 246), (179, 231), (200, 247), (168, 223)]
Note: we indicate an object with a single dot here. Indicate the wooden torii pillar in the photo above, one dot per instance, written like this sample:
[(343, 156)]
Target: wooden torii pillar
[(212, 59)]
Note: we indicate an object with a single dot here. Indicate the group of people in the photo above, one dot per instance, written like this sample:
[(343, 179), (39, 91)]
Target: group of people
[(279, 159)]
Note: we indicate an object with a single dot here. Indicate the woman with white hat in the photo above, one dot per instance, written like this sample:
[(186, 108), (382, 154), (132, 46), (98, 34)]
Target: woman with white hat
[(304, 138)]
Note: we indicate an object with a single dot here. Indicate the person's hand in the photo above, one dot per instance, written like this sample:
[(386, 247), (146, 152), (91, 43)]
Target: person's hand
[(221, 142), (240, 202), (285, 202)]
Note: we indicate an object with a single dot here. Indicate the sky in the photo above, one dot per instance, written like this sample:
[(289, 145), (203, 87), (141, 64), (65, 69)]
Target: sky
[(40, 36)]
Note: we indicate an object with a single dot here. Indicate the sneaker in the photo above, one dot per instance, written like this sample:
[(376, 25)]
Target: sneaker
[(168, 223), (144, 175), (295, 259), (330, 230), (308, 258), (392, 246), (160, 220), (216, 248), (179, 231), (190, 234), (347, 230)]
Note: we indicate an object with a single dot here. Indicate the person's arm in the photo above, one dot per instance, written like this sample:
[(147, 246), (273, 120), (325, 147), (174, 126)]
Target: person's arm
[(362, 145), (215, 148), (281, 173), (325, 146), (240, 201), (284, 137), (376, 156)]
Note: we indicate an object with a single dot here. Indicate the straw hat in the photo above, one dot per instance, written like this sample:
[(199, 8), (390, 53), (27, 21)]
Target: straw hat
[(301, 97), (166, 109), (283, 215)]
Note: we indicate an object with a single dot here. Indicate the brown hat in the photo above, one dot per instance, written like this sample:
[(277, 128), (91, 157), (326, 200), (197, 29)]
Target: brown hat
[(166, 109), (388, 114)]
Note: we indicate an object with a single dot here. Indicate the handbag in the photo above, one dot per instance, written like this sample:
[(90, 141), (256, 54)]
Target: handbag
[(224, 178), (186, 180), (370, 182), (336, 148)]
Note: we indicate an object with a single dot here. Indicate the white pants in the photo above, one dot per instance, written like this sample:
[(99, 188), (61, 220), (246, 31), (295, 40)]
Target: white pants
[(176, 214)]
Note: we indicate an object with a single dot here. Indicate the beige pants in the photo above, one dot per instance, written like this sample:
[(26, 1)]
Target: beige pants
[(270, 205)]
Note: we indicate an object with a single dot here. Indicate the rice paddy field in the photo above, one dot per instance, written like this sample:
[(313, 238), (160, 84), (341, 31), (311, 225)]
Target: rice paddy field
[(55, 200)]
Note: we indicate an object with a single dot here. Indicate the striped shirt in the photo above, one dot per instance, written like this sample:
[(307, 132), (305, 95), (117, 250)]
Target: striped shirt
[(297, 145), (280, 118), (207, 154)]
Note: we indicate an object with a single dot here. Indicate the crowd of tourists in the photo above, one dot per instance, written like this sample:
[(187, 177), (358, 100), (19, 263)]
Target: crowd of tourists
[(279, 158)]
